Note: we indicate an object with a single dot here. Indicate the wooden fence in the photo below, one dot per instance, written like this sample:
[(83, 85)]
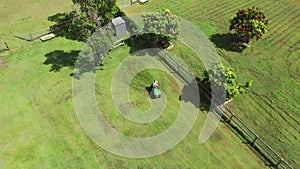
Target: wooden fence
[(254, 140), (31, 36), (23, 35), (126, 3), (236, 123)]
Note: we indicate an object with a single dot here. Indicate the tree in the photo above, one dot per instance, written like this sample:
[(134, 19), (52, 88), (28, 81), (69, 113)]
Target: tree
[(90, 16), (223, 78), (163, 26), (100, 44), (249, 23), (93, 53)]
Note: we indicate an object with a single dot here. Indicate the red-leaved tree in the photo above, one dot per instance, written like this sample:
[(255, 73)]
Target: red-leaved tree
[(248, 24)]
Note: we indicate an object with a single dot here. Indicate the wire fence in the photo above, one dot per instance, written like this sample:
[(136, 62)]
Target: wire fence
[(126, 3), (31, 36), (39, 33), (23, 35), (252, 139), (178, 69)]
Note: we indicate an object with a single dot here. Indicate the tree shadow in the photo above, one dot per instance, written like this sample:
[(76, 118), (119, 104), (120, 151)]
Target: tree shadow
[(228, 42), (204, 99), (193, 93), (84, 65), (59, 59), (139, 43), (60, 28), (57, 17)]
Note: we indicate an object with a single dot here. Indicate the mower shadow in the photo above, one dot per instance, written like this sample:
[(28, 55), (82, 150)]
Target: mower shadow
[(149, 88)]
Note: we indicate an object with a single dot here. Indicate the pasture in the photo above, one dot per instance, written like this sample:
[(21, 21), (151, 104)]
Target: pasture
[(39, 127), (271, 107)]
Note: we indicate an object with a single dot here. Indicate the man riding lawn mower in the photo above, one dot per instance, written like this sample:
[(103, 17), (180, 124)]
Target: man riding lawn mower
[(155, 92)]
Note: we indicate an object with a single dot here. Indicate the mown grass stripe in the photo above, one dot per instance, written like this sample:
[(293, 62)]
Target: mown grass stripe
[(286, 111), (285, 36), (273, 9), (224, 23), (282, 113), (187, 9), (273, 16), (279, 19), (267, 113), (265, 8), (257, 106), (233, 9), (295, 47), (212, 10), (268, 103)]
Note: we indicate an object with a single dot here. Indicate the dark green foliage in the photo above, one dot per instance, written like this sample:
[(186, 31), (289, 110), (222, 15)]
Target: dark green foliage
[(98, 11), (249, 23), (99, 45), (223, 78), (161, 27), (89, 17)]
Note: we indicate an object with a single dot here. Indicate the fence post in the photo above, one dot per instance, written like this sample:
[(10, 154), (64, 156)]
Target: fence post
[(31, 39), (6, 45), (232, 115), (256, 137), (279, 162)]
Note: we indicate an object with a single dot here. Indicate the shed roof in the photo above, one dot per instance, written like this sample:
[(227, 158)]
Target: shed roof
[(117, 21)]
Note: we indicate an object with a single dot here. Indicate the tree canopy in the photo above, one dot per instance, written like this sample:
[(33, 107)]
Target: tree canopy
[(163, 27), (223, 78), (249, 23), (99, 11), (88, 16)]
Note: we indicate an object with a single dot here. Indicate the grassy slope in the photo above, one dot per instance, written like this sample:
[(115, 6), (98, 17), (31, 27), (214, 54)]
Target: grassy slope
[(273, 63), (39, 128), (27, 16)]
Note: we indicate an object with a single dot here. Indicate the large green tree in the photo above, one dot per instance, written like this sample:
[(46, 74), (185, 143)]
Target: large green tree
[(163, 26), (248, 24), (222, 78), (89, 16)]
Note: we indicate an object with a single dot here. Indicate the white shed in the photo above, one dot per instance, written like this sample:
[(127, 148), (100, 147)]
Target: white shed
[(119, 26)]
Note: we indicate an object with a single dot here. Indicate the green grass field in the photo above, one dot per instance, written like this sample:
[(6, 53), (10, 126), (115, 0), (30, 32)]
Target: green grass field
[(27, 16), (271, 107), (39, 127)]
